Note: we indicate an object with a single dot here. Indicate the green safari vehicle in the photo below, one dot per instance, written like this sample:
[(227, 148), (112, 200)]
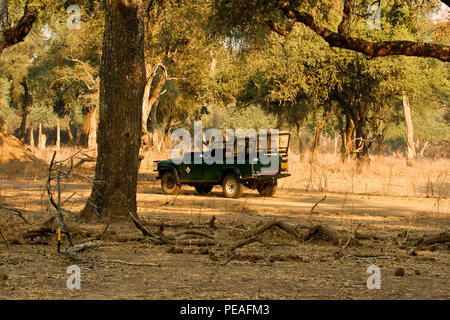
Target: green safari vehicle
[(233, 177)]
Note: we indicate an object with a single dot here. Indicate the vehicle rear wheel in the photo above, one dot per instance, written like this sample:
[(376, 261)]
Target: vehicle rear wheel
[(169, 183), (232, 186), (203, 189), (267, 189)]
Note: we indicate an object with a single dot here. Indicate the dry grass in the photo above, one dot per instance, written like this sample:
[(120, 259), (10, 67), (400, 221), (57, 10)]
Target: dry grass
[(387, 176)]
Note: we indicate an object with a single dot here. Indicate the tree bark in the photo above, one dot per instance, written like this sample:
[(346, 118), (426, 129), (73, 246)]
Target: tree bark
[(147, 108), (410, 148), (31, 135), (26, 103), (85, 131), (3, 128), (42, 138), (69, 132), (154, 124), (3, 24), (317, 133), (58, 134), (92, 136), (379, 137), (122, 76), (349, 145), (301, 145)]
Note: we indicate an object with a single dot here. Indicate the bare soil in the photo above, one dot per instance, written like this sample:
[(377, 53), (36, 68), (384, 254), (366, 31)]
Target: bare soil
[(129, 266)]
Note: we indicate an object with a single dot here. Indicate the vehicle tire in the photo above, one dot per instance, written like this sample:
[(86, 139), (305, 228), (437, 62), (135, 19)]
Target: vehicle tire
[(169, 183), (232, 186), (267, 189), (203, 189)]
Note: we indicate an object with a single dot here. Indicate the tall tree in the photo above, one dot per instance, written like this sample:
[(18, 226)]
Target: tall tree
[(11, 35), (122, 81), (410, 148)]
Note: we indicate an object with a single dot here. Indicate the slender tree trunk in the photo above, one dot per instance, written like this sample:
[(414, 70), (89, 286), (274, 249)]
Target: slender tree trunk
[(3, 24), (301, 145), (23, 124), (92, 136), (348, 141), (317, 133), (3, 128), (410, 148), (379, 137), (31, 135), (336, 139), (42, 138), (122, 76), (26, 103), (147, 108), (145, 141), (69, 132), (84, 137), (154, 124), (361, 144), (58, 134)]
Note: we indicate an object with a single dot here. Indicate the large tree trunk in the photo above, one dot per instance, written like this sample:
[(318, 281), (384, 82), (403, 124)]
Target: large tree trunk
[(410, 149), (122, 81), (318, 132)]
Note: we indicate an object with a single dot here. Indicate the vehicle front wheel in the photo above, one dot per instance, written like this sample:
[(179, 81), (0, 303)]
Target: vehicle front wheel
[(267, 189), (202, 189), (169, 183), (232, 186)]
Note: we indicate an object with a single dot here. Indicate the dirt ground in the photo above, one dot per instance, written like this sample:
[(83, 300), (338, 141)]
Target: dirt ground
[(276, 266)]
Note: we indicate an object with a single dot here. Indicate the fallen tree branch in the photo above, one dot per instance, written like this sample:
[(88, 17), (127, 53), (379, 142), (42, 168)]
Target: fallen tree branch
[(13, 210), (82, 247), (134, 263), (434, 238)]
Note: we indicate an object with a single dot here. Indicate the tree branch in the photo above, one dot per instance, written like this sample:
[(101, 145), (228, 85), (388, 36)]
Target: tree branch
[(370, 49), (276, 28), (348, 8), (20, 30)]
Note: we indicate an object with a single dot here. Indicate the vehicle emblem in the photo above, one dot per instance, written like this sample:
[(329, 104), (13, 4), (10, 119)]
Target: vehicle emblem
[(188, 170)]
